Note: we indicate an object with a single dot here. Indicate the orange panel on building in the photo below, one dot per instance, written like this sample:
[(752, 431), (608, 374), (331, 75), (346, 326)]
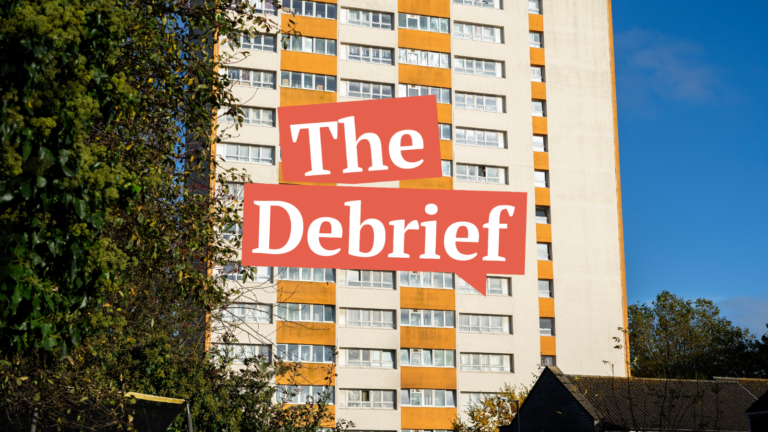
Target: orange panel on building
[(542, 196), (306, 333), (306, 292), (535, 22), (309, 26), (427, 418), (537, 56), (540, 125), (423, 75), (441, 183), (427, 298), (548, 345), (545, 270), (423, 40), (428, 378), (310, 374), (446, 150), (294, 96), (308, 62), (444, 113), (428, 337), (538, 90), (544, 233), (547, 307), (540, 160), (438, 8)]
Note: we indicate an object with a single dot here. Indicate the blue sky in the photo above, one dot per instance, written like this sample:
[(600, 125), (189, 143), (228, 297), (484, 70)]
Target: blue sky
[(692, 88)]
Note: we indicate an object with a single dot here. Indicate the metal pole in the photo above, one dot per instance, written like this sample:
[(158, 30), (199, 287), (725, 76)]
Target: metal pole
[(517, 402), (189, 418)]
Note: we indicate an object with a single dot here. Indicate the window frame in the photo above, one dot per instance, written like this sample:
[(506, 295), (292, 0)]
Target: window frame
[(288, 6), (480, 325), (302, 77), (550, 289), (462, 102), (484, 363), (498, 67), (369, 394), (541, 248), (406, 278), (441, 93), (480, 172), (348, 92), (371, 319), (542, 220), (371, 49), (238, 351), (425, 395), (248, 42), (476, 133), (306, 312), (289, 273), (346, 12), (424, 21), (475, 29), (326, 351), (407, 357), (294, 42), (544, 147), (222, 151), (406, 55), (371, 360), (253, 315), (371, 279), (543, 330), (433, 314)]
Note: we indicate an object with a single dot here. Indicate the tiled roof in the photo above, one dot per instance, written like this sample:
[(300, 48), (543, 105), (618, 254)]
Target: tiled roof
[(760, 406), (642, 403)]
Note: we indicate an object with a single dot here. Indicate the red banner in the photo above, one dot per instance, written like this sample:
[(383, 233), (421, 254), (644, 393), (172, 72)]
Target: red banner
[(470, 233), (360, 142)]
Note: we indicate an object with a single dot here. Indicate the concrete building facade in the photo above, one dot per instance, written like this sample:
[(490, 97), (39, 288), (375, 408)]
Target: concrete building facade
[(526, 103)]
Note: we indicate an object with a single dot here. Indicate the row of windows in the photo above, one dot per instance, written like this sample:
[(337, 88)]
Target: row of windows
[(249, 153), (294, 6), (385, 279)]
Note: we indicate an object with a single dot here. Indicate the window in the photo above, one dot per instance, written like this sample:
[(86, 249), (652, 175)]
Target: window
[(485, 362), (535, 40), (537, 74), (424, 58), (367, 358), (254, 116), (367, 54), (306, 274), (493, 286), (364, 90), (311, 45), (483, 323), (371, 279), (481, 138), (539, 143), (264, 6), (232, 231), (480, 174), (538, 108), (476, 32), (236, 191), (546, 326), (305, 353), (237, 272), (363, 18), (479, 102), (406, 90), (305, 312), (426, 280), (474, 398), (542, 215), (251, 78), (375, 399), (427, 357), (478, 67), (545, 288), (368, 318), (445, 131), (423, 23), (308, 81), (310, 8), (540, 179), (534, 6), (495, 4), (303, 394), (246, 153), (427, 397), (240, 352), (542, 252), (249, 312), (548, 361), (258, 42), (447, 168), (426, 318)]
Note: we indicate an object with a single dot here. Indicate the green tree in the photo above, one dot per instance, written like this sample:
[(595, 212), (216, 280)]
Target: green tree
[(685, 339), (492, 412)]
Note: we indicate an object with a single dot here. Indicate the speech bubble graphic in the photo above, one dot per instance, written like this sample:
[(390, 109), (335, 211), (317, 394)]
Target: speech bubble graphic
[(360, 142), (470, 233)]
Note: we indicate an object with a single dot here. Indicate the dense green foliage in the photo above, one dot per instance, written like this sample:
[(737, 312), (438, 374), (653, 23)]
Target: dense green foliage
[(685, 339), (493, 411), (109, 228)]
